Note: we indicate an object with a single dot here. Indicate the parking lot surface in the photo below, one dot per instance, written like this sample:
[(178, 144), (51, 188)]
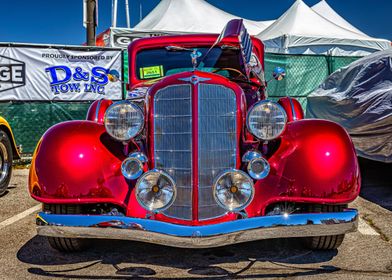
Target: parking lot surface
[(365, 254)]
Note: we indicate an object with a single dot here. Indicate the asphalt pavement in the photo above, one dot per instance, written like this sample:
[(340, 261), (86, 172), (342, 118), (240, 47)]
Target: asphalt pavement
[(365, 254)]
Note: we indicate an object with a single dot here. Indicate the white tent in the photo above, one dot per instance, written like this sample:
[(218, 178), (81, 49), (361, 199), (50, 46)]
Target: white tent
[(300, 30), (326, 11), (192, 16)]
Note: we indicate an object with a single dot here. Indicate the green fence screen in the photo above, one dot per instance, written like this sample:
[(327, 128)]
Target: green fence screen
[(303, 74)]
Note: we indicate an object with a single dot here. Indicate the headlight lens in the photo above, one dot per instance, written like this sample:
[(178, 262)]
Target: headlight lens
[(124, 120), (258, 168), (155, 191), (132, 168), (233, 190), (266, 120)]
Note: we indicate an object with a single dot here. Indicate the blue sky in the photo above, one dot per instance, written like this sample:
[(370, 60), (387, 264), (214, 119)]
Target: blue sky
[(60, 22)]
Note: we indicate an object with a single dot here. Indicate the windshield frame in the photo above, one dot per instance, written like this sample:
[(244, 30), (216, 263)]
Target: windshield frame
[(187, 41), (170, 62)]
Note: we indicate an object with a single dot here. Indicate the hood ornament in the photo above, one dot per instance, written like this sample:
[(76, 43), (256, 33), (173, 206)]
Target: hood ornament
[(195, 54)]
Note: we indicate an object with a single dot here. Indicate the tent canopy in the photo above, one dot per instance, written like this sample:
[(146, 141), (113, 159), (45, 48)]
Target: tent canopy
[(192, 16), (300, 30), (326, 11)]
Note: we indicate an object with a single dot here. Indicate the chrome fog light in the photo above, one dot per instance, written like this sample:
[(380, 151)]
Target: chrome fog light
[(258, 168), (132, 168), (155, 191), (233, 190)]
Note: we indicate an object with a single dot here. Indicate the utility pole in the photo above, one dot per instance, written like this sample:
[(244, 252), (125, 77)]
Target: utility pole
[(91, 22)]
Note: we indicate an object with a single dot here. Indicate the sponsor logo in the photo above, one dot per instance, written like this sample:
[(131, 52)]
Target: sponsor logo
[(123, 40), (64, 79), (12, 73)]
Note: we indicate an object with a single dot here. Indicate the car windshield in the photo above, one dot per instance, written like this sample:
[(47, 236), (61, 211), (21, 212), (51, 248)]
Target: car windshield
[(157, 63)]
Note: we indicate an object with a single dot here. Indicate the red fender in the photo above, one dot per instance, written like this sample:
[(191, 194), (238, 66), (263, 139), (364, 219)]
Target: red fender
[(315, 163), (77, 162), (292, 107), (96, 112)]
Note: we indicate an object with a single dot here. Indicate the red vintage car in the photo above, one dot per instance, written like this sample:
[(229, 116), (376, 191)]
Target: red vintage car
[(196, 156)]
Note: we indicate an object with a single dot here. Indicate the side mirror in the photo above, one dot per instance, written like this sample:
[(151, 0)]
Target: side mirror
[(114, 76), (279, 73)]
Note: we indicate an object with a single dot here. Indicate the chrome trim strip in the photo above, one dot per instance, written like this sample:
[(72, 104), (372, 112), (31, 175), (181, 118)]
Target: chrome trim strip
[(215, 235), (292, 109), (97, 110)]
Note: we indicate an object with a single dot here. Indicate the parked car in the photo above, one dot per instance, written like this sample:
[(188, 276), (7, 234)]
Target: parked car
[(8, 152), (359, 98), (196, 157)]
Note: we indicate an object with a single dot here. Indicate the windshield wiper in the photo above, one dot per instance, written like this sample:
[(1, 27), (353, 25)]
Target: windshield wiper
[(177, 48), (229, 47)]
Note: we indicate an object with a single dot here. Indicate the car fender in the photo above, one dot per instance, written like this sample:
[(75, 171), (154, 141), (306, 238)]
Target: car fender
[(97, 109), (78, 162), (315, 163), (292, 107), (7, 129)]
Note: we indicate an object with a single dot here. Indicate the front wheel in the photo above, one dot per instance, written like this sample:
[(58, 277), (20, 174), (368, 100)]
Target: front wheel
[(324, 242), (61, 243), (5, 161)]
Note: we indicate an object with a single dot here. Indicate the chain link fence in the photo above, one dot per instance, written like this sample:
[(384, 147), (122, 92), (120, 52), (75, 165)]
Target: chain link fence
[(304, 73), (29, 120)]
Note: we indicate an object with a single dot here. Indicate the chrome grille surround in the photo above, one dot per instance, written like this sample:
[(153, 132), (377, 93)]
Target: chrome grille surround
[(173, 143), (217, 143)]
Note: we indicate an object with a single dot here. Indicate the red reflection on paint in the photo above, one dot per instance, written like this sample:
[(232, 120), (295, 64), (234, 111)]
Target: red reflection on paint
[(327, 155), (81, 157)]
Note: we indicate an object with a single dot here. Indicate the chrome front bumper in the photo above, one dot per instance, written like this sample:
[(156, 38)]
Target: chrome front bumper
[(152, 231)]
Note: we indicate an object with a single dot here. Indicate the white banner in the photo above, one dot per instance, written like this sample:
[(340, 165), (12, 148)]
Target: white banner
[(42, 73)]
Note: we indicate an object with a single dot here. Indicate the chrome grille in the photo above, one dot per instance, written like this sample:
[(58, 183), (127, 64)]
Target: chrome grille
[(173, 143), (216, 142)]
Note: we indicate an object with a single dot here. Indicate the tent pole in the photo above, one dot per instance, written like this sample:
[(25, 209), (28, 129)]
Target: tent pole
[(127, 13), (140, 12), (114, 13)]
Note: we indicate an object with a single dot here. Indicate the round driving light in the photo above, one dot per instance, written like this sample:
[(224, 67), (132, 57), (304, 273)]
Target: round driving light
[(233, 190), (155, 191), (266, 120), (123, 120), (132, 168), (258, 168)]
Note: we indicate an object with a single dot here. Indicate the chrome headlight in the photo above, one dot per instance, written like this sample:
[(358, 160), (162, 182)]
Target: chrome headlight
[(124, 120), (155, 191), (233, 190), (266, 120), (132, 168), (258, 168)]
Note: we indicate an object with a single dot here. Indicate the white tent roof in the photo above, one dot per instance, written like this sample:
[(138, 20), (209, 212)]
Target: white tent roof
[(192, 16), (302, 30), (326, 11)]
